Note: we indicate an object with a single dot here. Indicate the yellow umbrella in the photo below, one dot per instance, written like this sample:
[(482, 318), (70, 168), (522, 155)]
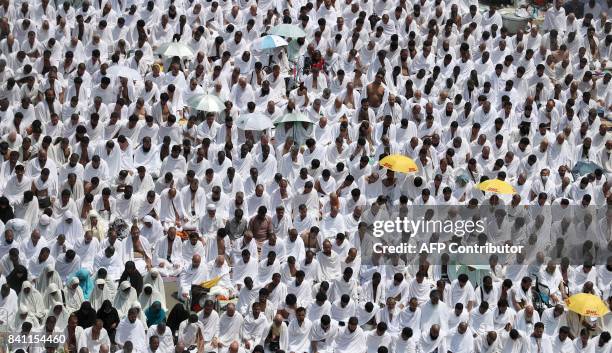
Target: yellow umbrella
[(210, 283), (496, 186), (399, 163), (587, 305)]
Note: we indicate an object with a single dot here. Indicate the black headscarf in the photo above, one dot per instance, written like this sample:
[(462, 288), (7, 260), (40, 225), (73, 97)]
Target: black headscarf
[(108, 315), (6, 211), (16, 278), (86, 315), (131, 274), (177, 315)]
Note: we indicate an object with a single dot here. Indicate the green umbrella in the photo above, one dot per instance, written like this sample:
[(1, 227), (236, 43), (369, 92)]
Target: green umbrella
[(293, 118), (206, 102), (288, 30)]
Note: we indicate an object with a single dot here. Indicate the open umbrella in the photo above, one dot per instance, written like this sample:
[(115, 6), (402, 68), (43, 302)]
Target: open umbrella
[(293, 118), (174, 49), (587, 305), (583, 168), (268, 42), (254, 121), (496, 186), (206, 102), (123, 71), (399, 163), (288, 30)]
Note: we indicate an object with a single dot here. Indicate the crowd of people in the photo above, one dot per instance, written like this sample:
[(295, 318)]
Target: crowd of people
[(114, 190)]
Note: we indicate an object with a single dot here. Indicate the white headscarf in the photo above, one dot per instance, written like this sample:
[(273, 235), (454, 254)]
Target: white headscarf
[(47, 277), (62, 318), (124, 301), (33, 300), (154, 279), (52, 294), (74, 297), (18, 321), (141, 315), (46, 226), (146, 300), (98, 296)]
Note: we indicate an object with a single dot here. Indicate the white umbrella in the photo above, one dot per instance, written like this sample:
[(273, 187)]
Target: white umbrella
[(174, 49), (293, 118), (254, 121), (268, 42), (206, 102), (123, 71)]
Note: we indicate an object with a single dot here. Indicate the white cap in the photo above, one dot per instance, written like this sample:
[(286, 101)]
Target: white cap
[(44, 220)]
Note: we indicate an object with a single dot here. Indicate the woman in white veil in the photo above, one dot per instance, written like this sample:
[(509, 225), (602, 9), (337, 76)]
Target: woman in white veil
[(149, 296), (125, 298), (73, 295), (47, 276), (141, 314), (46, 226), (61, 315), (24, 315), (100, 293), (155, 280), (52, 294), (31, 298)]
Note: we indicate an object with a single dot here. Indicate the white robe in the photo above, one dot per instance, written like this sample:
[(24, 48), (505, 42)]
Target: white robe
[(65, 268), (428, 345), (191, 276), (298, 336), (73, 231), (229, 328), (434, 315), (210, 325), (9, 305), (374, 341), (242, 270), (329, 266), (460, 343), (253, 329), (134, 332), (350, 342)]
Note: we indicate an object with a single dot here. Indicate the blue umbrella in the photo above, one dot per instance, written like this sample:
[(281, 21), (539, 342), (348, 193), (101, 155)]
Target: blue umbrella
[(268, 42), (583, 168)]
